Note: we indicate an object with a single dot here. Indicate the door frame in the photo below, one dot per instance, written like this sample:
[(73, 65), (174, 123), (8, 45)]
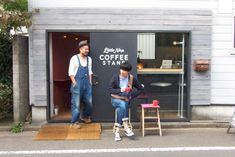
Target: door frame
[(49, 69)]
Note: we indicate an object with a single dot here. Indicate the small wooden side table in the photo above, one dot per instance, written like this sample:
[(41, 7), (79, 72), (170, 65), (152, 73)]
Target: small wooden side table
[(145, 107)]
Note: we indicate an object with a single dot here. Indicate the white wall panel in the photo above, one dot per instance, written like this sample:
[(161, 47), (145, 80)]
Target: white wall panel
[(223, 77), (223, 84), (146, 44), (194, 4), (223, 100)]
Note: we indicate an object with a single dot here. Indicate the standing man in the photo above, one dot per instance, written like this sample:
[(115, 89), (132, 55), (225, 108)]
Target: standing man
[(80, 73), (121, 88)]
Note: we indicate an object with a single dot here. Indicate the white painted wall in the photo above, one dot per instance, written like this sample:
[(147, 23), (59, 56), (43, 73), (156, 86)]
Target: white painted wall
[(146, 44), (222, 62), (198, 4)]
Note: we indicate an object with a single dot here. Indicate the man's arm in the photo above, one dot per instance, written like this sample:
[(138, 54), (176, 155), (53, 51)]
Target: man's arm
[(73, 79), (90, 78), (139, 88), (111, 88), (90, 70), (71, 71)]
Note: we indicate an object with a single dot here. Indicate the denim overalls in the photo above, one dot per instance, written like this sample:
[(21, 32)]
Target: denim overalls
[(81, 91)]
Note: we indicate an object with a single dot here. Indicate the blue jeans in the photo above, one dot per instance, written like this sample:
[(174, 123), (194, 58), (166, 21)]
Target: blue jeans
[(122, 109), (81, 91)]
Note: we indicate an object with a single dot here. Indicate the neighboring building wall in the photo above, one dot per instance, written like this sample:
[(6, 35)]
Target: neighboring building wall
[(20, 78), (194, 16), (222, 65)]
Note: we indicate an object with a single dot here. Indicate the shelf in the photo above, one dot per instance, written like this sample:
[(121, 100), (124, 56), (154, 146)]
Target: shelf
[(159, 71)]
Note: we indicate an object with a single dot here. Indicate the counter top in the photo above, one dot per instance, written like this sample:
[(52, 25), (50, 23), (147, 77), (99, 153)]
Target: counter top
[(159, 71)]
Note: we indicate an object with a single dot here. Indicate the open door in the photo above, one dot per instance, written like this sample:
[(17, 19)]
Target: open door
[(62, 46)]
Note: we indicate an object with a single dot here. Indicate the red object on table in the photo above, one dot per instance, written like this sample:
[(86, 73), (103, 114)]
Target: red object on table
[(155, 102)]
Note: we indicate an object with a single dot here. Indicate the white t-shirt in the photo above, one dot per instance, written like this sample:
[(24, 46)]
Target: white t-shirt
[(73, 65)]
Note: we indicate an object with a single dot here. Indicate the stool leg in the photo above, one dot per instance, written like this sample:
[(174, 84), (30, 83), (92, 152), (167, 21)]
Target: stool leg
[(129, 110), (142, 119), (159, 122), (228, 129), (115, 120), (140, 116)]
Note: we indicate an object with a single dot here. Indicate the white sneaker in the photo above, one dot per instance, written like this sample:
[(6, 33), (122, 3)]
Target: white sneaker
[(129, 132), (233, 123), (117, 137)]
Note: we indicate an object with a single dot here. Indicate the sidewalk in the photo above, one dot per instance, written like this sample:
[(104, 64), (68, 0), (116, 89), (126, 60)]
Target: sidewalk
[(172, 138), (185, 142)]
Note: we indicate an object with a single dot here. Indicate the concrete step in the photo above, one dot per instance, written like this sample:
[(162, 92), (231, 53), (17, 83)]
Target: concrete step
[(136, 125)]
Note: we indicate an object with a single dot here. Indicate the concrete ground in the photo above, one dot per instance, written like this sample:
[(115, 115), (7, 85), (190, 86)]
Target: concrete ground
[(183, 142)]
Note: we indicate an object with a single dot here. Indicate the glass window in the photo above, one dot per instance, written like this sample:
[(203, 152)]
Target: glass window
[(162, 74)]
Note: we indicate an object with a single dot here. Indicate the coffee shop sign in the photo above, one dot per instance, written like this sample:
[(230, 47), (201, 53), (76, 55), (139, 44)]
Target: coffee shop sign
[(113, 56)]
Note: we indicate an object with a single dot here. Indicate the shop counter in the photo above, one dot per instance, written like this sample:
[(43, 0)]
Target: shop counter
[(159, 71)]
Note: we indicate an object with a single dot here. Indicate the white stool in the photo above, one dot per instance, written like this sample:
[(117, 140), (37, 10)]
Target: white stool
[(129, 118)]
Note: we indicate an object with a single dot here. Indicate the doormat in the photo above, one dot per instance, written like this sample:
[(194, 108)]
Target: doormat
[(64, 132)]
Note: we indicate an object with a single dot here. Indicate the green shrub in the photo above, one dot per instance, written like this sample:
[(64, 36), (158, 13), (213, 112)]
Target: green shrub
[(5, 58), (6, 97), (6, 103), (17, 127)]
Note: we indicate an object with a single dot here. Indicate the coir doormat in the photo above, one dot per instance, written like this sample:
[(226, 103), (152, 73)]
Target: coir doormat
[(64, 132)]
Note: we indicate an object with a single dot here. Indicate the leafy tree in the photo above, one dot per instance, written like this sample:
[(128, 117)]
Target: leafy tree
[(14, 14)]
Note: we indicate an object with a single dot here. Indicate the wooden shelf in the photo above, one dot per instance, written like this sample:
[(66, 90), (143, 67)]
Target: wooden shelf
[(159, 71)]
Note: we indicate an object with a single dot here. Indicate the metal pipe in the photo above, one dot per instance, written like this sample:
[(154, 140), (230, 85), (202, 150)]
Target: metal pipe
[(182, 80)]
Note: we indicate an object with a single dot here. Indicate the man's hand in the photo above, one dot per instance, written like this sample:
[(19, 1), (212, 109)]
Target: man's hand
[(74, 83), (123, 89), (73, 80), (128, 89)]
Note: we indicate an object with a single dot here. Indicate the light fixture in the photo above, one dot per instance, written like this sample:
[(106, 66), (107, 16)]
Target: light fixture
[(178, 43), (76, 38), (65, 36)]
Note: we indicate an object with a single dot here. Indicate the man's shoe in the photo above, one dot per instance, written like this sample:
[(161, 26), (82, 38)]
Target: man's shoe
[(75, 126), (117, 137), (87, 120), (129, 132)]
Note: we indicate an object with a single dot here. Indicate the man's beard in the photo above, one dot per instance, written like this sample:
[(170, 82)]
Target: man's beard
[(85, 54)]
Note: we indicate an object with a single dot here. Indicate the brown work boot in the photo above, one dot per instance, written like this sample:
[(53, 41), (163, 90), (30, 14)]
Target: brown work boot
[(86, 120), (75, 126)]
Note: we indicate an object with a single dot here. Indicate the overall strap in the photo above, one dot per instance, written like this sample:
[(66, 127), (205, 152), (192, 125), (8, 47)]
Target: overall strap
[(130, 81), (79, 63), (87, 65)]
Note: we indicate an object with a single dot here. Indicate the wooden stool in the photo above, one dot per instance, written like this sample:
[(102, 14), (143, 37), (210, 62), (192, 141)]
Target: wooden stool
[(145, 107)]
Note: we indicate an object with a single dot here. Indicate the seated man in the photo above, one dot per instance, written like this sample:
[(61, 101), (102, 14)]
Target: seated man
[(121, 90)]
